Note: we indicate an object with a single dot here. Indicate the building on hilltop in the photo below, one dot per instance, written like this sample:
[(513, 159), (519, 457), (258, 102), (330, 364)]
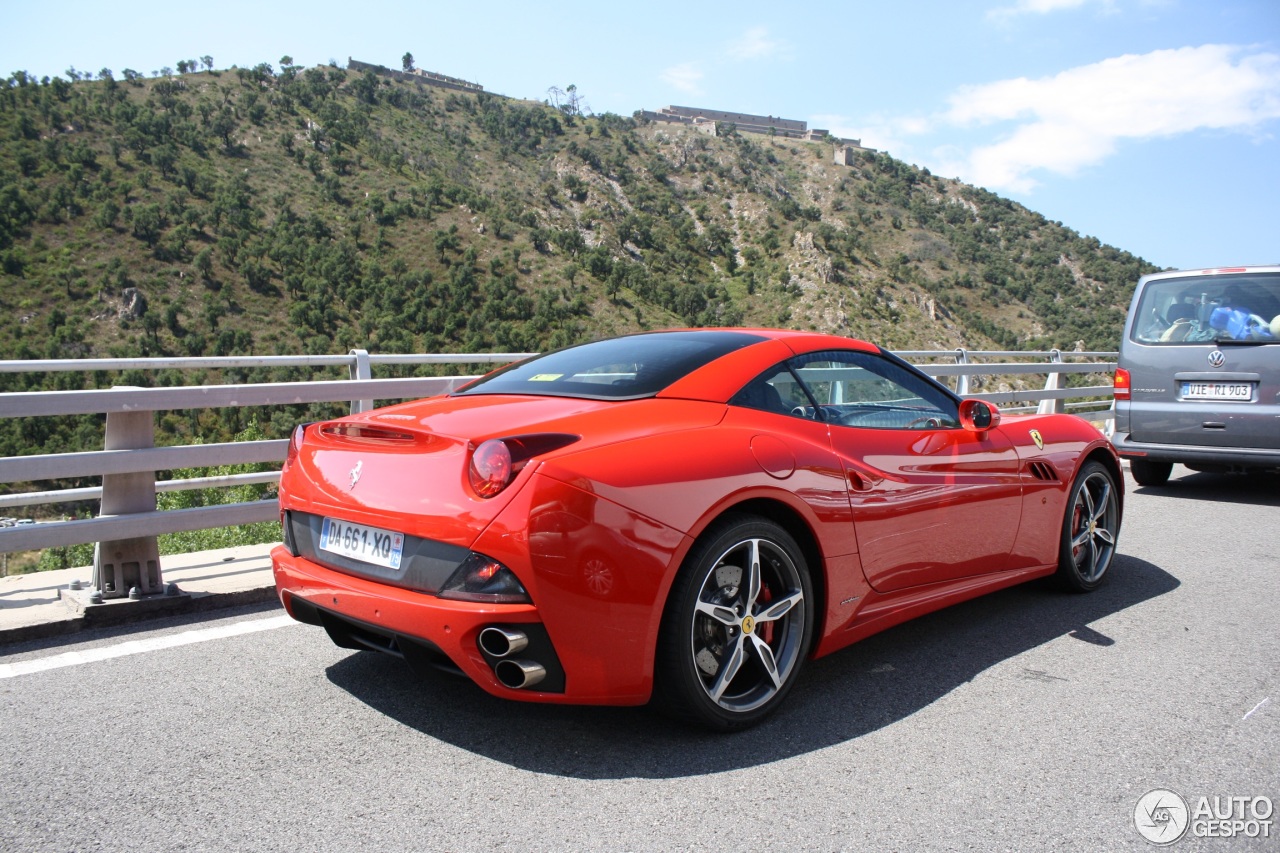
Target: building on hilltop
[(699, 119), (699, 122), (417, 75), (707, 121), (433, 77)]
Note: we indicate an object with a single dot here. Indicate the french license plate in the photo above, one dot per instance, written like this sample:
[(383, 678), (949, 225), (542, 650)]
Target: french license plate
[(1217, 391), (359, 542)]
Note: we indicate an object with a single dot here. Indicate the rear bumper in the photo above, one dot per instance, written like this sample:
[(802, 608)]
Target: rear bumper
[(1190, 454), (597, 573), (418, 627)]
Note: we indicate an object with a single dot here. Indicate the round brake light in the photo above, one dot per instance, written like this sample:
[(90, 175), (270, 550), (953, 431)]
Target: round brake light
[(490, 468), (295, 444)]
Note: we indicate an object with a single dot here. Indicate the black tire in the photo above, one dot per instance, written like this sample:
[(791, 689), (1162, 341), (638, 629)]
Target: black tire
[(729, 651), (1090, 529), (1148, 473)]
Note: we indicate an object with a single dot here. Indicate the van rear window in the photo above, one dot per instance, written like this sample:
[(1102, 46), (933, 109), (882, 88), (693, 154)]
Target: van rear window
[(1211, 308)]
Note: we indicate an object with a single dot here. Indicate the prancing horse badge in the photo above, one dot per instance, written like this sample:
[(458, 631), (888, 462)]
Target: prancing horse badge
[(1035, 436)]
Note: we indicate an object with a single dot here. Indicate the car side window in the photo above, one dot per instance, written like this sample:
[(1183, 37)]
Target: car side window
[(867, 390), (776, 390)]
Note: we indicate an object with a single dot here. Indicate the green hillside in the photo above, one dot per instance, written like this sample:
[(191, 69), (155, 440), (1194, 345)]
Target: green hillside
[(315, 210)]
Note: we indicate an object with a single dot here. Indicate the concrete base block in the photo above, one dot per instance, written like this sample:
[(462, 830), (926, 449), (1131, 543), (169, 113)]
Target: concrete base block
[(82, 602)]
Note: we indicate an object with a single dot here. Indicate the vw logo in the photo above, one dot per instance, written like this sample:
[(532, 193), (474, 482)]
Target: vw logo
[(1217, 359)]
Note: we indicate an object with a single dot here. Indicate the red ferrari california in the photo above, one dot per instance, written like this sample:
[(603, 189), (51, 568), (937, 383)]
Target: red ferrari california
[(680, 517)]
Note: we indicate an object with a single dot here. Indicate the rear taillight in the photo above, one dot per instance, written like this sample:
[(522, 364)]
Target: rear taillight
[(481, 578), (1122, 384), (491, 468), (295, 444), (495, 463)]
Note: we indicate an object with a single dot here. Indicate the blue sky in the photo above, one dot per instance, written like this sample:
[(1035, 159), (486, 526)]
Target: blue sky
[(1149, 124)]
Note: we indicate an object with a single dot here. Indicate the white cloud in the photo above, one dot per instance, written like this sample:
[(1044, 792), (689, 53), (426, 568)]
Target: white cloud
[(1042, 7), (685, 77), (1077, 118), (755, 43), (883, 133)]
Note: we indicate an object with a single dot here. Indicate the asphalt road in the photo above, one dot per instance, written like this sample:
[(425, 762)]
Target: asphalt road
[(1028, 720)]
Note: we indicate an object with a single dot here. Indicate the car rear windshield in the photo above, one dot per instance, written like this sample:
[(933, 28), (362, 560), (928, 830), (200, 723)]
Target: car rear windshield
[(1242, 308), (618, 369)]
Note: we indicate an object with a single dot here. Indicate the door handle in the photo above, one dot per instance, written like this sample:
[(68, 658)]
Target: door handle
[(863, 477)]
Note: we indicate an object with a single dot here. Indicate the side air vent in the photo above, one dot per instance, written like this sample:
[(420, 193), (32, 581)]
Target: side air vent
[(1042, 471)]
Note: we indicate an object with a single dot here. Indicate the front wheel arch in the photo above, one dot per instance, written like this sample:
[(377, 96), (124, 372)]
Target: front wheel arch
[(1088, 540)]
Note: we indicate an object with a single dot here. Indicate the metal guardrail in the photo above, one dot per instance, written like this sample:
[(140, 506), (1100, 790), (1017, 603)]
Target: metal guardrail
[(129, 461)]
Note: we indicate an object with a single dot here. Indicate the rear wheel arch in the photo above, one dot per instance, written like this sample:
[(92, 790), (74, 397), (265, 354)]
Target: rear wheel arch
[(790, 520), (716, 665)]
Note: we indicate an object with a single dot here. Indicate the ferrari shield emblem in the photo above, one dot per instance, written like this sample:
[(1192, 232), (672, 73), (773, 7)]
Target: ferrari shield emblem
[(1035, 436)]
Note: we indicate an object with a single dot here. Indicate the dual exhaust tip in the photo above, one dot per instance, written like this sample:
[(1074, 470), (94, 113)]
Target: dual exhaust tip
[(515, 673)]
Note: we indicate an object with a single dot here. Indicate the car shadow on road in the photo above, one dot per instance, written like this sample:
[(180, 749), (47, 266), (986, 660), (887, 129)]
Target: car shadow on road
[(843, 696), (1259, 489)]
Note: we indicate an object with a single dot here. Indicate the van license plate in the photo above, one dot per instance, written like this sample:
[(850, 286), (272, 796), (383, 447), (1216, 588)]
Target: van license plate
[(368, 544), (1217, 391)]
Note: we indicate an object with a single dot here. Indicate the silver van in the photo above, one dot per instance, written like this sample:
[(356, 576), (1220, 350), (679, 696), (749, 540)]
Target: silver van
[(1198, 377)]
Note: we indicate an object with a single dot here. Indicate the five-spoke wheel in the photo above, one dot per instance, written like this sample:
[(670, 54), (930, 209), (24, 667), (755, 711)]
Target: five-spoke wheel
[(738, 626), (1090, 528)]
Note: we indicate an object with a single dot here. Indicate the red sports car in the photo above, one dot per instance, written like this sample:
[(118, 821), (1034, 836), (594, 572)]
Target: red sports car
[(681, 517)]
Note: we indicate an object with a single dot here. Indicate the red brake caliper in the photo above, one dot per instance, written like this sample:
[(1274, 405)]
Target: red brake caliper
[(766, 630), (1076, 515)]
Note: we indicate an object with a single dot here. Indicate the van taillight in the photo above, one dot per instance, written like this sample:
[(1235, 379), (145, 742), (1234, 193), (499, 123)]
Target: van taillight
[(1122, 384)]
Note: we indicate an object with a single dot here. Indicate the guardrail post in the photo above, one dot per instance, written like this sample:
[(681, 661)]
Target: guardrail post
[(1047, 406), (962, 381), (360, 369), (122, 565)]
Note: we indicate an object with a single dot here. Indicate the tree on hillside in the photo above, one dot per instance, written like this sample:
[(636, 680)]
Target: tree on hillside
[(366, 87), (567, 100), (223, 126), (207, 62), (407, 61)]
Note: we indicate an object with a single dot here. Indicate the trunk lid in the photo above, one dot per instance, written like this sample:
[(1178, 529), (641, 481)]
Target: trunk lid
[(405, 467)]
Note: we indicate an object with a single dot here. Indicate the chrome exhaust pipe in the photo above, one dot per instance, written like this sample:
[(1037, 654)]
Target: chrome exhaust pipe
[(500, 642), (518, 674)]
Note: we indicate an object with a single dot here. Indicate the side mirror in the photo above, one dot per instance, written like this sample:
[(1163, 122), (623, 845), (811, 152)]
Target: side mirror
[(979, 416)]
